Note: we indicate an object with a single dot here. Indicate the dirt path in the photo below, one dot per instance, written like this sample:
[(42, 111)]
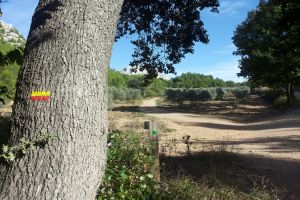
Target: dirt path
[(272, 144), (278, 136)]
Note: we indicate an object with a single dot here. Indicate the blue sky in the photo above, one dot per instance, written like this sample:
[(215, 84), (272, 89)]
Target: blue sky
[(214, 58)]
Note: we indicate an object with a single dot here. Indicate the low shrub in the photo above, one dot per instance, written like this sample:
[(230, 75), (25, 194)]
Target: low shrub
[(123, 94), (241, 92), (220, 93), (128, 169), (280, 102), (195, 95), (271, 95)]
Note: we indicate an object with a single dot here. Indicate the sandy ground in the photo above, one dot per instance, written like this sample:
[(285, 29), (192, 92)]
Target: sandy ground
[(278, 136), (272, 144)]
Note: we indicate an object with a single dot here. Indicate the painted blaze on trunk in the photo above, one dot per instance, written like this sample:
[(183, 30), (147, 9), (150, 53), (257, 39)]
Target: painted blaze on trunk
[(67, 54)]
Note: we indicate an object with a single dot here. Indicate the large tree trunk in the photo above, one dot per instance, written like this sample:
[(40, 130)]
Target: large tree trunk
[(67, 53)]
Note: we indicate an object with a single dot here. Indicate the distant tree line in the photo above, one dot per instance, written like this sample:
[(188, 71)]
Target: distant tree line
[(123, 86), (195, 80)]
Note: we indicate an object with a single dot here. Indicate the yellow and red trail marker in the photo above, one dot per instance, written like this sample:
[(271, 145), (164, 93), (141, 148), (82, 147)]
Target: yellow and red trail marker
[(40, 95)]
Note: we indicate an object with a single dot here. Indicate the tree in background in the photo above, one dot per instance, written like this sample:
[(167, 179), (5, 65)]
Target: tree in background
[(116, 79), (194, 80), (67, 55), (268, 43)]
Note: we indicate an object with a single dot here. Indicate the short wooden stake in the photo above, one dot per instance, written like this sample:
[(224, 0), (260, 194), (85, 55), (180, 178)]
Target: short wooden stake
[(152, 127)]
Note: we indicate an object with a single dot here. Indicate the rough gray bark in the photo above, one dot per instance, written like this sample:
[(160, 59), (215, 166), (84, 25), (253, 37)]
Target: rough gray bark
[(68, 52)]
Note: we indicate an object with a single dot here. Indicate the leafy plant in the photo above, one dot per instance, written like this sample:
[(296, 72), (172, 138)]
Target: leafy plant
[(128, 171), (11, 153)]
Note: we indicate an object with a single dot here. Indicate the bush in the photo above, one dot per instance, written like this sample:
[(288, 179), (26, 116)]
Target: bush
[(128, 169), (123, 94), (133, 94), (280, 102), (220, 93), (271, 95), (204, 95), (241, 92), (175, 95), (212, 93)]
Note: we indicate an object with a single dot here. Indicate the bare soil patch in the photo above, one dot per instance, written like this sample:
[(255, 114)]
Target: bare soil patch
[(269, 139)]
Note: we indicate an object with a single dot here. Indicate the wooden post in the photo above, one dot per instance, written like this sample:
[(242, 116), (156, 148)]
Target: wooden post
[(152, 127)]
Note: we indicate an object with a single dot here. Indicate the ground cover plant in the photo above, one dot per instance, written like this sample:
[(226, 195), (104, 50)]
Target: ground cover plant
[(220, 174)]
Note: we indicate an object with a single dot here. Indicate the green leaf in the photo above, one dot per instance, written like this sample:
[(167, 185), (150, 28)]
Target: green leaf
[(11, 156), (123, 174), (5, 148)]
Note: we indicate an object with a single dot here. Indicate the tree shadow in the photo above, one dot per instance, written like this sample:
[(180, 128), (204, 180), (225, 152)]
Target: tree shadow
[(39, 35), (126, 109), (276, 124), (278, 144), (235, 170)]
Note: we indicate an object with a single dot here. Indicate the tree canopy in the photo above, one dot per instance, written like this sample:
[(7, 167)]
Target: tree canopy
[(166, 31), (268, 43)]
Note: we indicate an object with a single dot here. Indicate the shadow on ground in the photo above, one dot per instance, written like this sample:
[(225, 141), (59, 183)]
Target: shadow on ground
[(278, 144), (240, 171), (276, 124)]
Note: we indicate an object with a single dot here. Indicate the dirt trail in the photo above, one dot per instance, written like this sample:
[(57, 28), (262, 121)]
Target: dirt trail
[(278, 136), (272, 145)]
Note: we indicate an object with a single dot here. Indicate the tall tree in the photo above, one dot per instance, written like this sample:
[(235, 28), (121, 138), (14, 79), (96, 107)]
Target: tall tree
[(67, 55), (268, 43)]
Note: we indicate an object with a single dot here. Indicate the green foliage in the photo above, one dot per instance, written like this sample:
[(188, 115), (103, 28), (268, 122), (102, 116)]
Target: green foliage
[(123, 94), (9, 154), (271, 95), (116, 79), (128, 169), (135, 82), (241, 92), (156, 88), (195, 80), (128, 174), (280, 102), (10, 59), (194, 95), (166, 31), (220, 93), (268, 42)]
